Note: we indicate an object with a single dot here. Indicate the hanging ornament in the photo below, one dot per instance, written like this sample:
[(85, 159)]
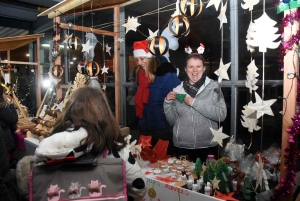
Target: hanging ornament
[(158, 45), (74, 43), (81, 66), (179, 26), (190, 8), (92, 69), (57, 71), (70, 25)]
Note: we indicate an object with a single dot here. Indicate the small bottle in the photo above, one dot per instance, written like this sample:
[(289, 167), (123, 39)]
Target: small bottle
[(200, 183), (210, 160), (195, 186), (207, 190), (190, 184), (183, 178), (210, 187)]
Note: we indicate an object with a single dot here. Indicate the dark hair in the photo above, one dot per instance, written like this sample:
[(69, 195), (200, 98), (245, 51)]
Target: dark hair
[(194, 56), (88, 108), (2, 89)]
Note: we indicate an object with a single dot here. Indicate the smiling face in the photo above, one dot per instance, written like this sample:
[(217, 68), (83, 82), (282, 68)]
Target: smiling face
[(194, 70), (142, 61)]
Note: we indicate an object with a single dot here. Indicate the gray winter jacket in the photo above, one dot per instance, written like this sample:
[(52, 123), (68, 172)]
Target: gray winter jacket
[(192, 123)]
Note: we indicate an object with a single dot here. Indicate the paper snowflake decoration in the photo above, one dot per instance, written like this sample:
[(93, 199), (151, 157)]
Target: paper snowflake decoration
[(86, 47), (132, 24), (222, 17), (249, 122), (104, 69), (261, 107), (218, 136), (107, 49), (264, 34), (152, 34), (251, 77), (120, 40), (222, 71), (249, 4), (250, 32), (216, 3), (67, 38)]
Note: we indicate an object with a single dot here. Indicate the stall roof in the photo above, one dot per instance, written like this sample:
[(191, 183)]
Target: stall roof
[(68, 7), (11, 43)]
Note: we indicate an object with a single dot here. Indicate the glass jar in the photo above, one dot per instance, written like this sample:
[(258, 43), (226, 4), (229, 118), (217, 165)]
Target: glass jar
[(210, 160)]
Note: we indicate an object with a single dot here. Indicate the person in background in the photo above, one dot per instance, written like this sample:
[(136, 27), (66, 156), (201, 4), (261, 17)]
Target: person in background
[(202, 108), (8, 185), (8, 118), (87, 121)]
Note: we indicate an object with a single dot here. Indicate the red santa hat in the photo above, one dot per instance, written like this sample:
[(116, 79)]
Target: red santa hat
[(140, 49)]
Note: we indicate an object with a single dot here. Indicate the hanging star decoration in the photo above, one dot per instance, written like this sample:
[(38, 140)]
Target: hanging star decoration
[(264, 34), (222, 71), (177, 11), (227, 197), (104, 87), (145, 143), (120, 40), (218, 136), (215, 183), (249, 113), (59, 106), (67, 38), (86, 47), (152, 34), (259, 173), (107, 49), (261, 106), (251, 77), (104, 69), (250, 32), (249, 4), (249, 123), (216, 3), (132, 24), (222, 17)]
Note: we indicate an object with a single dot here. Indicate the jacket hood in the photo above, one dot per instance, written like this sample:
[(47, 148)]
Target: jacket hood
[(165, 68)]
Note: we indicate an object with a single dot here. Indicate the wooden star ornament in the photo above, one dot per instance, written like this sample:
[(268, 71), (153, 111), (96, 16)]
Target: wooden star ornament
[(107, 49), (132, 24), (152, 34), (218, 136), (222, 17), (215, 183), (259, 173), (67, 38), (226, 197), (104, 69), (86, 47), (222, 71)]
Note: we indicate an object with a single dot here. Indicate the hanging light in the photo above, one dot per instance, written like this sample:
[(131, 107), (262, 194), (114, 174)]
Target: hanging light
[(179, 26), (57, 71), (92, 69), (81, 66), (190, 8), (158, 45), (74, 43)]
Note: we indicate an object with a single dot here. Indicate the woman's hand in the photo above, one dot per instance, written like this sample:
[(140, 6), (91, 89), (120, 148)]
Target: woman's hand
[(188, 100), (171, 96)]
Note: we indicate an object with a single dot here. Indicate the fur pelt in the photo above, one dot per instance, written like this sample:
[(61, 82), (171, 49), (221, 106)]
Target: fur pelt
[(165, 68), (23, 169)]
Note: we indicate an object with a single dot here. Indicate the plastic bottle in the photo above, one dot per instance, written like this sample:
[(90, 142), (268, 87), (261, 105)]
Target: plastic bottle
[(210, 160)]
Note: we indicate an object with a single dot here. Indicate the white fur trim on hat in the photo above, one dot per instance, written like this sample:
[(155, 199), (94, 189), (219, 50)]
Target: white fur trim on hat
[(141, 53)]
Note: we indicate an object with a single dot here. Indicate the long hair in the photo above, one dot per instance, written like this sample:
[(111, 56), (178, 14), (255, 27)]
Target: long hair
[(152, 64), (88, 108), (2, 90)]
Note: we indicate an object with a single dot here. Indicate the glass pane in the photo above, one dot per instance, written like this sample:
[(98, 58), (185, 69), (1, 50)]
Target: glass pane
[(272, 69), (272, 125)]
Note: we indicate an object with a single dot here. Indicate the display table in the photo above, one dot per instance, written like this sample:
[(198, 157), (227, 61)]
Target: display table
[(30, 145), (169, 191)]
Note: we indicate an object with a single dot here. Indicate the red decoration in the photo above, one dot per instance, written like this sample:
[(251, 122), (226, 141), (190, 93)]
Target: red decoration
[(159, 152), (166, 179), (227, 196), (145, 141)]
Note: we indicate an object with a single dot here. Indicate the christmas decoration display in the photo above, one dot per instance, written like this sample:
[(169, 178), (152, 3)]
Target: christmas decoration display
[(179, 26), (132, 24), (86, 47), (222, 17), (190, 8), (104, 69), (92, 69), (218, 136), (74, 43), (222, 71), (158, 45)]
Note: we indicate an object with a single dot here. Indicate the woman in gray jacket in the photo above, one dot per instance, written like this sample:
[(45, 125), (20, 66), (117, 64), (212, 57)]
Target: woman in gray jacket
[(203, 108)]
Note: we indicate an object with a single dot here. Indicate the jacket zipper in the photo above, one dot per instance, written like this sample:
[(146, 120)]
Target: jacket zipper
[(194, 129)]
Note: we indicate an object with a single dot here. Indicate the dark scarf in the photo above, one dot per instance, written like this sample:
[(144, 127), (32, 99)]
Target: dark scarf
[(193, 89)]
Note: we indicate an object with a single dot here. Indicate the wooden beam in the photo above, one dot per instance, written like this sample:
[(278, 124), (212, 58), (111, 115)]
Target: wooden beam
[(20, 62), (290, 60), (87, 29), (117, 64), (38, 58)]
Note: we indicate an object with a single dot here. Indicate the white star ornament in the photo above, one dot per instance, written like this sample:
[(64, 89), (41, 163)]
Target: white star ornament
[(222, 17), (218, 136), (249, 4), (152, 34), (264, 34), (216, 3), (177, 11), (120, 40), (67, 38), (131, 24), (259, 173), (222, 71), (86, 47), (215, 183), (104, 69), (107, 49), (261, 107)]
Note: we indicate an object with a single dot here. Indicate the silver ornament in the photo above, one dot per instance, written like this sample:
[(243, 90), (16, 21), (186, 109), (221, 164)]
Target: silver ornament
[(70, 25)]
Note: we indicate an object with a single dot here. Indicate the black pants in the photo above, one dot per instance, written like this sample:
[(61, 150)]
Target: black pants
[(193, 154)]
